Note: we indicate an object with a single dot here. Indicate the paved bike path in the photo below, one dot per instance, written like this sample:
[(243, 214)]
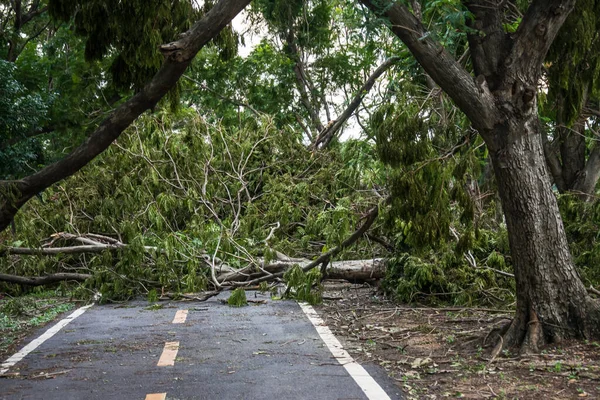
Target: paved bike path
[(267, 351)]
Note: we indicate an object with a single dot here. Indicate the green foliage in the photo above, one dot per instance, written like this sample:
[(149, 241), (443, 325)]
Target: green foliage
[(54, 98), (19, 314), (237, 298), (310, 20), (449, 23), (582, 223), (21, 113), (448, 240), (211, 181), (574, 62), (132, 31), (190, 189), (429, 190), (444, 276), (304, 286), (152, 296)]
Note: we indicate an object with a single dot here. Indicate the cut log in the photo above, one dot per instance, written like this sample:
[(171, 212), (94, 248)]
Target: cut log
[(352, 270), (357, 270)]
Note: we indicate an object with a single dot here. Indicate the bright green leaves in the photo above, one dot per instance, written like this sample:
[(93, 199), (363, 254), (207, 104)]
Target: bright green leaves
[(448, 19), (310, 20), (237, 298), (304, 286)]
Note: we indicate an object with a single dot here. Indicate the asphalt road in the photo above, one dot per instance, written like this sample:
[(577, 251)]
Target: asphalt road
[(267, 351)]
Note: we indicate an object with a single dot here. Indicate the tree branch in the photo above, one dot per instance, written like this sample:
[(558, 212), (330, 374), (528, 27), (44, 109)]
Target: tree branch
[(43, 280), (325, 257), (552, 160), (489, 44), (89, 248), (588, 178), (327, 134), (474, 100), (534, 36), (303, 82), (179, 54)]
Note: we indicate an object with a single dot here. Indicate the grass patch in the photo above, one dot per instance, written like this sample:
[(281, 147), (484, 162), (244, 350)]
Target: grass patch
[(18, 315)]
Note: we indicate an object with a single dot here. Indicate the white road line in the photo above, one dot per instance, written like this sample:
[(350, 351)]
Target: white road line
[(37, 342), (180, 316), (365, 381), (167, 358)]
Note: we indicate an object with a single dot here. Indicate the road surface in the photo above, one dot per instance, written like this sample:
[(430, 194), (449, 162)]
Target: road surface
[(192, 351)]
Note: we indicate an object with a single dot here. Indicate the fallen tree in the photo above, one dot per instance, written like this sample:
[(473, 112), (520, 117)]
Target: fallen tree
[(350, 270), (227, 278)]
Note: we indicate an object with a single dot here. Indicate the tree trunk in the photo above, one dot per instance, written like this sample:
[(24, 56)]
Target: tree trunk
[(552, 303)]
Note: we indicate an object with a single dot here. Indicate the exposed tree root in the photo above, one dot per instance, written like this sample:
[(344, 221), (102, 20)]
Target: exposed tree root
[(526, 335), (533, 336)]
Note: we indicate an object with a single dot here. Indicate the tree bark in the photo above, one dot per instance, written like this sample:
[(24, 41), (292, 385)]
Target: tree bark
[(548, 287), (179, 54), (572, 168)]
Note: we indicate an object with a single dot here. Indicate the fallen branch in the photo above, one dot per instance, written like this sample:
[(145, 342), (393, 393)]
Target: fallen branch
[(97, 248), (92, 243), (593, 290), (325, 257), (44, 280), (203, 296), (49, 375), (329, 132)]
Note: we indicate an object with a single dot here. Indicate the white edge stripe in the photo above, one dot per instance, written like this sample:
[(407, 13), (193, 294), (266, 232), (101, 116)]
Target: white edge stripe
[(365, 381), (37, 342)]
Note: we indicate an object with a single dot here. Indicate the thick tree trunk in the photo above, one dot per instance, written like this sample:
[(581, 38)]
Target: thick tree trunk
[(552, 303)]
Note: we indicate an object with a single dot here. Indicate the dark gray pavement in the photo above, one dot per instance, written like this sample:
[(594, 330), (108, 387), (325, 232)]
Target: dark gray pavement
[(268, 351)]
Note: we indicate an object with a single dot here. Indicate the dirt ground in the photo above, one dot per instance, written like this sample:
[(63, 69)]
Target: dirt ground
[(435, 353)]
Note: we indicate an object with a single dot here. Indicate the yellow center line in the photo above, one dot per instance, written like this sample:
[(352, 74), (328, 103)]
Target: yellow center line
[(156, 396), (168, 355), (180, 316)]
